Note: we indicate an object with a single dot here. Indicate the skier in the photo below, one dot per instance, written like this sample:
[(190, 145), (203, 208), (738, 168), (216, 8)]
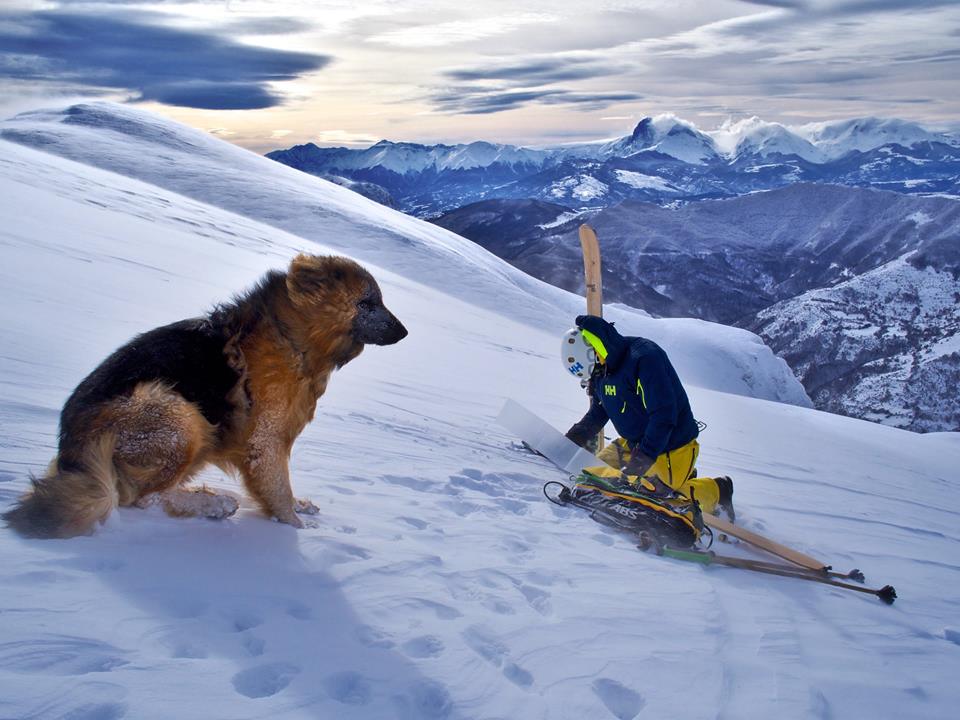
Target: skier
[(634, 385)]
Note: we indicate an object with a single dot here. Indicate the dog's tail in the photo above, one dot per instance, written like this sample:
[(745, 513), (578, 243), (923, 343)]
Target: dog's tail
[(64, 503)]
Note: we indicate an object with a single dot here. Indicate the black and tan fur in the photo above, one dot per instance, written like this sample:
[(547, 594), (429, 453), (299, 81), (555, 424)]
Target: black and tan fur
[(234, 388)]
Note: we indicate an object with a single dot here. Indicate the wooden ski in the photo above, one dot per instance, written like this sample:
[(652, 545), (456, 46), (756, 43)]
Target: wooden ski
[(764, 543), (591, 270), (593, 281)]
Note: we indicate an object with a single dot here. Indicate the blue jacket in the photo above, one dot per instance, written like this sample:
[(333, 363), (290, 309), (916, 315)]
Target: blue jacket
[(638, 390)]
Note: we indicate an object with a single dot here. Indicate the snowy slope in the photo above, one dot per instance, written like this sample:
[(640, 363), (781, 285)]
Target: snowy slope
[(437, 582), (192, 163)]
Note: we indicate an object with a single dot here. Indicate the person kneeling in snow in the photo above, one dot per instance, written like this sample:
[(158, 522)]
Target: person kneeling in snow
[(634, 385)]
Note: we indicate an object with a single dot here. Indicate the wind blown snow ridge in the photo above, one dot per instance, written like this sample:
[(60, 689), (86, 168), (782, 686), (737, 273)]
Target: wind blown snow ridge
[(437, 583)]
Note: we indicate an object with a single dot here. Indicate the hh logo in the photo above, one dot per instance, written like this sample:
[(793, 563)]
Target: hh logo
[(575, 369), (610, 389)]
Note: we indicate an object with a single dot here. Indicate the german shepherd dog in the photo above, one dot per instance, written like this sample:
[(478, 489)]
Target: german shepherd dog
[(234, 388)]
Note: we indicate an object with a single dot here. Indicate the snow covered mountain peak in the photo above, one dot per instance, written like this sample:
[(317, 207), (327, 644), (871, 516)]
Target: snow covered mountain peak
[(838, 138), (668, 134), (754, 136)]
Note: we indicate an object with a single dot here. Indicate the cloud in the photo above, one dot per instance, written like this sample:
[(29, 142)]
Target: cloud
[(266, 26), (807, 12), (457, 31), (474, 101), (539, 70), (188, 68)]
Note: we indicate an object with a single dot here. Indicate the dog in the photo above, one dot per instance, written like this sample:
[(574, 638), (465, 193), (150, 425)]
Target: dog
[(234, 389)]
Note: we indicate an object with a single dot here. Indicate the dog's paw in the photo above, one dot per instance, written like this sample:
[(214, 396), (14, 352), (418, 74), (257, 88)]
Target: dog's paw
[(219, 507), (305, 507), (290, 519), (198, 502), (147, 501)]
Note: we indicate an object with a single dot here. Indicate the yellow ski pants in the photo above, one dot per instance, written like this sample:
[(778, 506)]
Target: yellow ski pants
[(676, 469)]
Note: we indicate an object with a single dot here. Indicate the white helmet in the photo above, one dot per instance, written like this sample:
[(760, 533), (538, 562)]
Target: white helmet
[(577, 356)]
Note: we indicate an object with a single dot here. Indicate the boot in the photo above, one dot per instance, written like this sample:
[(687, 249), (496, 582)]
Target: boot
[(725, 485)]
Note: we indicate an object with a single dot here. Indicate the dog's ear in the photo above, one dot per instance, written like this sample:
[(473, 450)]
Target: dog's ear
[(309, 276)]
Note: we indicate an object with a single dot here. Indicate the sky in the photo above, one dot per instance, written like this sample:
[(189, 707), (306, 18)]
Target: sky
[(271, 74)]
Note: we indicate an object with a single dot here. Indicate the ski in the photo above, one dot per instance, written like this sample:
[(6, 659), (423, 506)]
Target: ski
[(765, 543), (887, 593), (592, 281), (591, 270), (545, 439), (571, 458)]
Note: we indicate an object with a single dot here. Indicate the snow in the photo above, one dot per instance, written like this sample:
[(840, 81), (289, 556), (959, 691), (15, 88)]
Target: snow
[(562, 218), (644, 182), (756, 136), (580, 187), (919, 217), (436, 582), (838, 138)]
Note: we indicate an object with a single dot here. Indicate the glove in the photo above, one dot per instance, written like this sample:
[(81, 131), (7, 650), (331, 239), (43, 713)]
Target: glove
[(587, 440), (576, 435), (638, 464)]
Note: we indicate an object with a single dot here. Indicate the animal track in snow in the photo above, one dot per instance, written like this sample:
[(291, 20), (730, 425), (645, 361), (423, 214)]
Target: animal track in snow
[(426, 700), (483, 642), (443, 612), (423, 647), (539, 599), (299, 611), (264, 680), (348, 687), (245, 620), (373, 638), (622, 702)]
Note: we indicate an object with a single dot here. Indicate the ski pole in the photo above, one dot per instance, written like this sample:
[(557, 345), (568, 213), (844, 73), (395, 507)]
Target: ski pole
[(887, 593)]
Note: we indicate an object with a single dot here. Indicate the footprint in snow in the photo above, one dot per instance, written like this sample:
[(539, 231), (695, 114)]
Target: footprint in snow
[(538, 599), (264, 680), (299, 611), (622, 702), (423, 647), (483, 642), (372, 637), (242, 621), (427, 700), (349, 688)]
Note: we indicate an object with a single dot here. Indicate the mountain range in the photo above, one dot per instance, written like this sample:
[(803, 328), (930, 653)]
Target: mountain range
[(664, 160), (856, 288)]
